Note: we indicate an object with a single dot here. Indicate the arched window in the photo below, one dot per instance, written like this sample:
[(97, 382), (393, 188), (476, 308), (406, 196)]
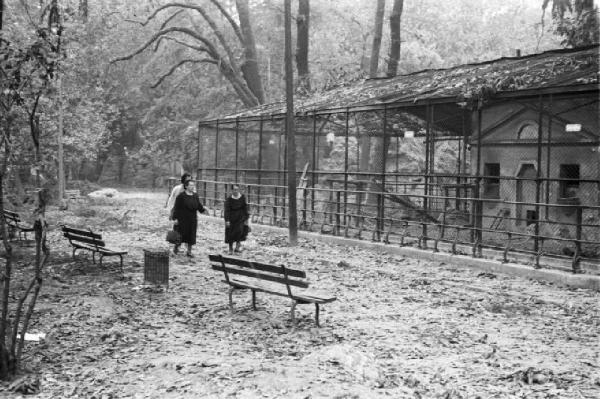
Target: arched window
[(528, 131)]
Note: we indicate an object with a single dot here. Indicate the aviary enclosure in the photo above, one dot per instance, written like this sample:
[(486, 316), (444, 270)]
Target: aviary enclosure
[(497, 159)]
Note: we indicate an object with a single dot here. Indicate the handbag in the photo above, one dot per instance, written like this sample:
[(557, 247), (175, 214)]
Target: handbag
[(174, 237)]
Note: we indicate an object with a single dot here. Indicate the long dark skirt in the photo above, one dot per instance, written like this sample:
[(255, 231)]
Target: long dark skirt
[(236, 232), (187, 228)]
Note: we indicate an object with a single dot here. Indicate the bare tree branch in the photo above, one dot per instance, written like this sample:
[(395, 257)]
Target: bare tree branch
[(234, 25), (211, 48), (200, 49), (179, 64), (210, 22), (164, 24)]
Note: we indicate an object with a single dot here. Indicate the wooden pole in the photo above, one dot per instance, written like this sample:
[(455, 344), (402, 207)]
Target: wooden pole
[(61, 166), (289, 127)]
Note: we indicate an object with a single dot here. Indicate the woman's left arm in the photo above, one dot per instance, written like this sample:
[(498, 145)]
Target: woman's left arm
[(201, 208)]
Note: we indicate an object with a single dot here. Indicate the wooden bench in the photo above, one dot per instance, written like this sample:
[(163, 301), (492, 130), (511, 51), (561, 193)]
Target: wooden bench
[(270, 279), (90, 241), (14, 223)]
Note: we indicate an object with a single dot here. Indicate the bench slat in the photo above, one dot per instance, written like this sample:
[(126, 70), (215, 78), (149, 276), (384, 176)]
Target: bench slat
[(108, 252), (12, 216), (263, 267), (261, 276), (301, 296), (87, 240), (85, 233), (24, 227), (314, 298)]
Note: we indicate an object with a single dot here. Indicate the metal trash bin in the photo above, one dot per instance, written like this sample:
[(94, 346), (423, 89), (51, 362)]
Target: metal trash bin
[(156, 267)]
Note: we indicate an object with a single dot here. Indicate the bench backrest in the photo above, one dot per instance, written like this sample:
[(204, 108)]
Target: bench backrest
[(11, 216), (84, 236), (261, 271)]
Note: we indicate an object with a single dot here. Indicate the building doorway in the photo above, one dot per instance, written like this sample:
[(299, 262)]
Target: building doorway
[(526, 190)]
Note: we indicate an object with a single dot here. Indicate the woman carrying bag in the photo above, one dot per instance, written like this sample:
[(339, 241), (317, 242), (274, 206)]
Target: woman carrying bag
[(236, 219), (185, 211)]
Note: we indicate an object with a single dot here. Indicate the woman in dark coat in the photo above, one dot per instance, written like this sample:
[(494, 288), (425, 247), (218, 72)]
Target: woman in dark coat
[(236, 219), (186, 219)]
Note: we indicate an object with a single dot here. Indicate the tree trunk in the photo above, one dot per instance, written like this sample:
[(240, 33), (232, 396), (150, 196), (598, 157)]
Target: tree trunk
[(250, 65), (394, 58), (365, 159), (377, 32), (238, 84), (1, 13), (302, 44)]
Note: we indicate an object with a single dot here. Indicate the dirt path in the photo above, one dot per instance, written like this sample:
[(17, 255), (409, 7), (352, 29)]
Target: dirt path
[(401, 328)]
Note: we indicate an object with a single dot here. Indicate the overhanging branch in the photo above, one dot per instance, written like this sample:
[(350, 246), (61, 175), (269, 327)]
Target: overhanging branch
[(200, 49), (179, 64), (234, 25), (211, 48)]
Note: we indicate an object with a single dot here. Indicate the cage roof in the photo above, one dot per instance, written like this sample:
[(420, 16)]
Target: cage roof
[(561, 70)]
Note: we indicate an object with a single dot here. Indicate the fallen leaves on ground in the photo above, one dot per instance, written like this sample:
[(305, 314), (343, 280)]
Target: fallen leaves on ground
[(400, 328)]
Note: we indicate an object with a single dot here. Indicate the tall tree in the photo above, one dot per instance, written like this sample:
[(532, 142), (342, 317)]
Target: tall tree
[(575, 20), (302, 45), (377, 34), (394, 57), (250, 63), (365, 140), (245, 80)]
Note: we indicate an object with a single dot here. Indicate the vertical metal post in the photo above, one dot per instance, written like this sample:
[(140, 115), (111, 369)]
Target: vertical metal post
[(478, 204), (259, 166), (338, 210), (548, 151), (279, 160), (397, 159), (578, 227), (458, 171), (346, 169), (427, 164), (245, 163), (538, 181), (199, 153), (216, 162), (314, 165), (381, 216), (433, 184), (237, 142), (464, 156)]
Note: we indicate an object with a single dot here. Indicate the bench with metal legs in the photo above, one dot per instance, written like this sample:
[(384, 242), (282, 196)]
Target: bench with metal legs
[(243, 274)]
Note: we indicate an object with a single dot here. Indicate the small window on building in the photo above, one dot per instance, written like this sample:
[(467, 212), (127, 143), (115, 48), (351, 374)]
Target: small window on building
[(528, 131), (569, 187), (491, 180)]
